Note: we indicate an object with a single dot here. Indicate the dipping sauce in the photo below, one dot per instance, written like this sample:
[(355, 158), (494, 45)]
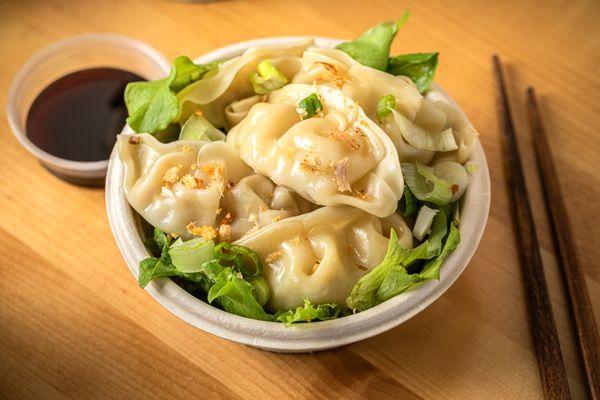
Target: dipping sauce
[(78, 116)]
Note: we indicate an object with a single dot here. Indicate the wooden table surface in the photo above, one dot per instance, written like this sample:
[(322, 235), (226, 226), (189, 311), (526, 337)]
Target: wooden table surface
[(74, 324)]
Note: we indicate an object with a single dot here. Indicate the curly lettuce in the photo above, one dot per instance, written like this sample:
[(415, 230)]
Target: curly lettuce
[(372, 49), (309, 313), (153, 105), (403, 269)]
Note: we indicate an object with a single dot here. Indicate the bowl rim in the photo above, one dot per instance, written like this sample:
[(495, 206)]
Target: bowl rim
[(302, 337)]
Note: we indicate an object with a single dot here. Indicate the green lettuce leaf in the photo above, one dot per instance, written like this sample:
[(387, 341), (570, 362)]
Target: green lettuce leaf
[(162, 241), (223, 284), (419, 67), (242, 258), (439, 228), (188, 72), (230, 291), (408, 204), (308, 313), (364, 293), (152, 268), (151, 246), (393, 270), (153, 105), (431, 270), (399, 280), (262, 289), (189, 256), (146, 271), (372, 48)]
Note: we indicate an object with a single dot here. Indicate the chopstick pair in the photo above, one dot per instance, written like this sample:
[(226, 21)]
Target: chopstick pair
[(545, 335)]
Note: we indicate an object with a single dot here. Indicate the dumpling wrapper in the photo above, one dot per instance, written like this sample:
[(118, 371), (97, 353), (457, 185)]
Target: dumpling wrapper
[(464, 132), (322, 254), (339, 157), (231, 81), (175, 184), (255, 201), (238, 110), (367, 85)]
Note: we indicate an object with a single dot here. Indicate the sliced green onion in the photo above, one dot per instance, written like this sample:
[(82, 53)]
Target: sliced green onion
[(197, 127), (311, 105), (421, 138), (425, 185), (190, 255), (385, 105), (455, 174), (423, 222), (267, 78), (262, 289)]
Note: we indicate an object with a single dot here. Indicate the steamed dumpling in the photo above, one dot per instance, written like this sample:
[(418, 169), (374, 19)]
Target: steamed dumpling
[(230, 83), (365, 85), (325, 66), (322, 254), (194, 188), (256, 201), (173, 185), (339, 157), (431, 115), (464, 133)]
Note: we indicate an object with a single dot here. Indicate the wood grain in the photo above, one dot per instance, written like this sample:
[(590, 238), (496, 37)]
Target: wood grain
[(581, 307), (543, 327), (73, 323)]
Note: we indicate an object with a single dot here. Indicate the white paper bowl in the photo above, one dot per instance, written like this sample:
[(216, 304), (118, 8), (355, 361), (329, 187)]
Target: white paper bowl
[(302, 337)]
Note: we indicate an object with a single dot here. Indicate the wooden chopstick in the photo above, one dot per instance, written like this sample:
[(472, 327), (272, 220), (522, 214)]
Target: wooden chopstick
[(545, 335), (579, 300)]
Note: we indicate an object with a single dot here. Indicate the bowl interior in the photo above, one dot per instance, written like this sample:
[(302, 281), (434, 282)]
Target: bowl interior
[(302, 337)]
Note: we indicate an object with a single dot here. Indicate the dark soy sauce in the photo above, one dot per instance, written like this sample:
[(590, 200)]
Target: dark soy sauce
[(78, 116)]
